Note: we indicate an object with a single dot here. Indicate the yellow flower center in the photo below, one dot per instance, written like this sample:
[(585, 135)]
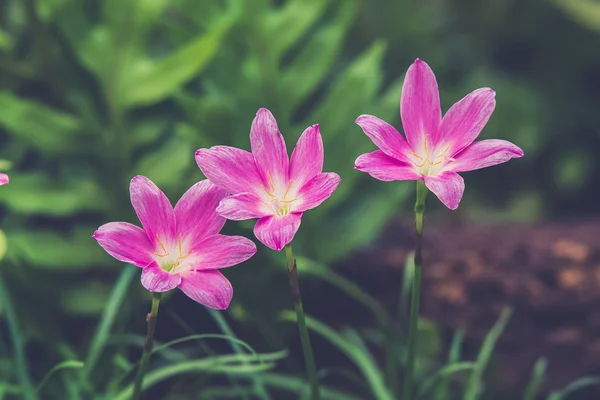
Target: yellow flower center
[(279, 203), (428, 163), (168, 262)]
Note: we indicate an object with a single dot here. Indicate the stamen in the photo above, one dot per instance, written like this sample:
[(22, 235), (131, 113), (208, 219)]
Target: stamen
[(415, 154), (161, 244), (266, 191), (270, 182)]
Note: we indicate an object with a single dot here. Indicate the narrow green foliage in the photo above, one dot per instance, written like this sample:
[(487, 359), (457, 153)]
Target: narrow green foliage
[(441, 376), (358, 354), (475, 384), (573, 387), (68, 364), (16, 338), (539, 372)]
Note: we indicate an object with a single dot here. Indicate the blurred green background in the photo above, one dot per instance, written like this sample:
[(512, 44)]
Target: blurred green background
[(94, 92)]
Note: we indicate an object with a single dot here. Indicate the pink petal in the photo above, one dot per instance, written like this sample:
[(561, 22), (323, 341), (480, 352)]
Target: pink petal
[(268, 148), (307, 157), (485, 153), (316, 191), (231, 169), (153, 209), (156, 279), (276, 231), (196, 213), (385, 168), (385, 136), (3, 179), (465, 120), (420, 104), (125, 242), (209, 288), (221, 251), (448, 187), (243, 206)]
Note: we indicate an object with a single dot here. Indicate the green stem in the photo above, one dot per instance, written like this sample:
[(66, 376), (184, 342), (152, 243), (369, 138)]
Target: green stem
[(151, 322), (309, 359), (416, 291)]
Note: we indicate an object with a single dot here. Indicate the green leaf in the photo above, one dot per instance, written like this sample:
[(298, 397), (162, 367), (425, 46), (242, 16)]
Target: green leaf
[(314, 60), (285, 26), (442, 375), (573, 387), (51, 250), (150, 81), (357, 353), (170, 160), (475, 384), (539, 371), (298, 385), (238, 364), (36, 193), (111, 311), (51, 131), (87, 299), (17, 343), (454, 355), (68, 364)]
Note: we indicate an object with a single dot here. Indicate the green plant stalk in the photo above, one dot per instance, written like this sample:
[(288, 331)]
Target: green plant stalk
[(309, 359), (148, 344), (416, 291)]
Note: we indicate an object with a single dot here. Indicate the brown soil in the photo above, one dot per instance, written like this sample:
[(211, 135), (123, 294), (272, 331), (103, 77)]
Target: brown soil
[(549, 274)]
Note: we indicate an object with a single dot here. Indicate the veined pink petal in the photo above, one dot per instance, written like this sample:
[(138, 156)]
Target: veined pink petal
[(231, 169), (3, 179), (243, 206), (156, 279), (316, 191), (277, 231), (485, 153), (153, 209), (125, 242), (196, 213), (448, 187), (385, 136), (465, 120), (420, 104), (385, 168), (307, 157), (209, 288), (268, 148), (221, 251)]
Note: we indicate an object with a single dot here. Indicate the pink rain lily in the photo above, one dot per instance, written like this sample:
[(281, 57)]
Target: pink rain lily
[(3, 179), (178, 247), (267, 184), (435, 148)]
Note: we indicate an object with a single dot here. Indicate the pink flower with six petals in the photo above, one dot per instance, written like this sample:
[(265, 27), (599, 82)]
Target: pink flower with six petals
[(267, 184), (435, 148), (178, 247)]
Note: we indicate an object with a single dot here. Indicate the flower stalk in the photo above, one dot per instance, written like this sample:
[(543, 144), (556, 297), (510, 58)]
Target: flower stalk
[(309, 359), (416, 291), (148, 344)]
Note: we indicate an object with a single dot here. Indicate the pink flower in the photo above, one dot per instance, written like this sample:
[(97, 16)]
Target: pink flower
[(266, 184), (178, 247), (3, 179), (436, 148)]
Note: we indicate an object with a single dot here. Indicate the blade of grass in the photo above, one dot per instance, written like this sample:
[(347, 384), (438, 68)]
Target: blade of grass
[(454, 356), (474, 385), (68, 364), (16, 337), (237, 349), (442, 374), (363, 360), (298, 385), (236, 364), (539, 371), (573, 387), (108, 318)]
